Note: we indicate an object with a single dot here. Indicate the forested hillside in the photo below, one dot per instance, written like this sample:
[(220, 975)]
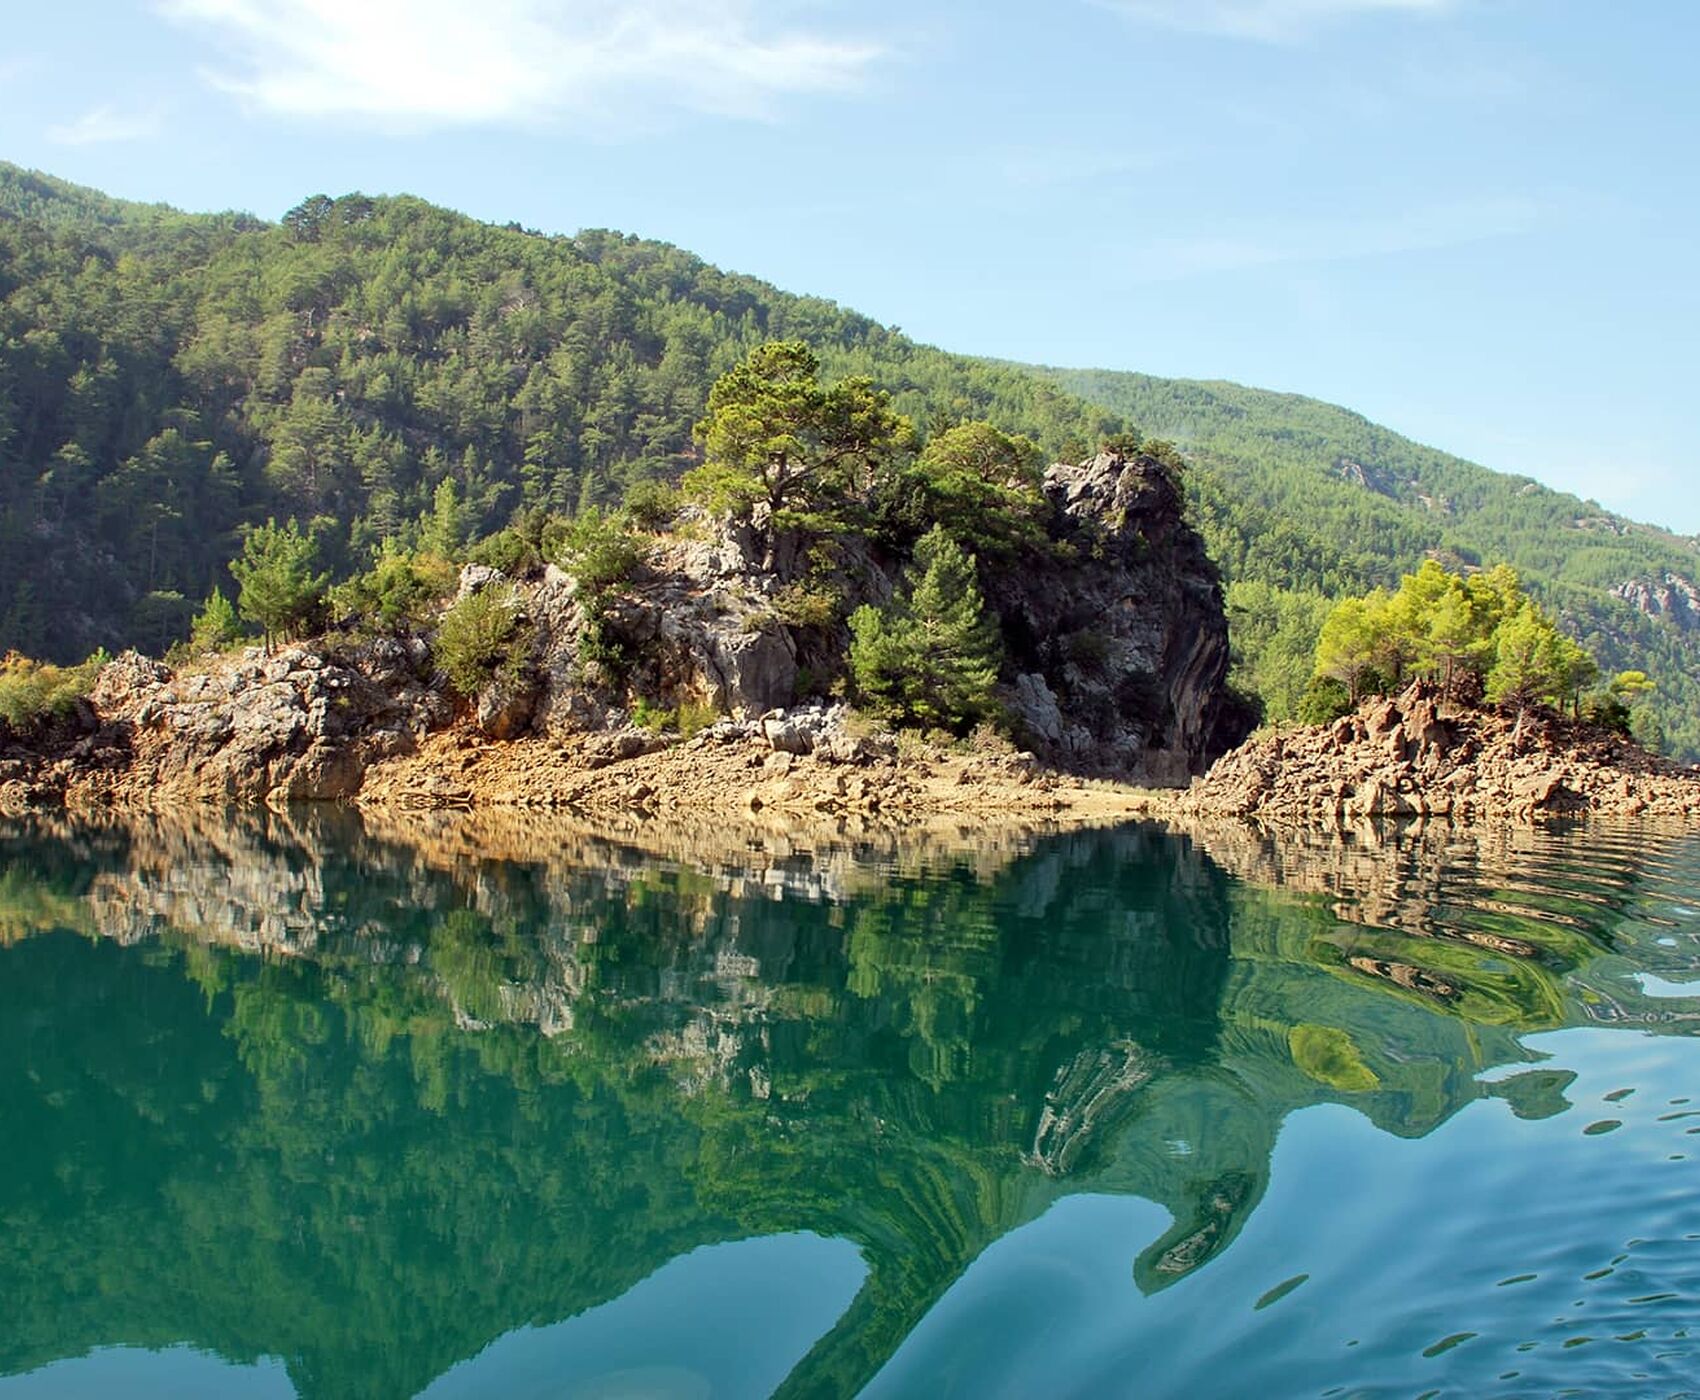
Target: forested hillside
[(1302, 502), (387, 371), (380, 368)]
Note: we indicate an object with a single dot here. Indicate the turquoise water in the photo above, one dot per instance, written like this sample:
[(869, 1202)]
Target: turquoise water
[(297, 1105)]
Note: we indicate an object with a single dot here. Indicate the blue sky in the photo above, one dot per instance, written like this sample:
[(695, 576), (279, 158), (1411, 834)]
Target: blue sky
[(1473, 220)]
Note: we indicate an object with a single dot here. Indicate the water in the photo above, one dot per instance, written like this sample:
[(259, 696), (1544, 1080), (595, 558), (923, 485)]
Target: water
[(454, 1106)]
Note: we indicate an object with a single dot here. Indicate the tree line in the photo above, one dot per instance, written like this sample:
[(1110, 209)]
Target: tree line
[(1480, 637)]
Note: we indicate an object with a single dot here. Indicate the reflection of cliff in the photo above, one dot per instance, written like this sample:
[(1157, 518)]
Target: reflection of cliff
[(367, 1098)]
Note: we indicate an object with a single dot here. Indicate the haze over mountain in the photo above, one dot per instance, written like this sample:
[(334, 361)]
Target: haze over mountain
[(388, 369)]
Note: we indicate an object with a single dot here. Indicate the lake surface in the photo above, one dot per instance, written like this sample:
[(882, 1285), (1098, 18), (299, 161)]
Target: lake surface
[(453, 1106)]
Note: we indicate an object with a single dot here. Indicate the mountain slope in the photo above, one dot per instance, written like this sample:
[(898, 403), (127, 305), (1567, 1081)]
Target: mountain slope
[(166, 379), (1300, 501), (385, 368)]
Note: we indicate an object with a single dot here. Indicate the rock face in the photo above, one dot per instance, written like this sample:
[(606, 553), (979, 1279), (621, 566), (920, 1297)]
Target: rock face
[(1123, 637), (1672, 598), (301, 724), (1414, 757)]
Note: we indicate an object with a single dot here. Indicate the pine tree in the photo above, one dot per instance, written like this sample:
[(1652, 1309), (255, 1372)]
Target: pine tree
[(216, 624), (280, 591), (931, 659)]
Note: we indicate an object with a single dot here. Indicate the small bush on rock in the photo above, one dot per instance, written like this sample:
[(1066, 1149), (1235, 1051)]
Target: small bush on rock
[(479, 636), (397, 594)]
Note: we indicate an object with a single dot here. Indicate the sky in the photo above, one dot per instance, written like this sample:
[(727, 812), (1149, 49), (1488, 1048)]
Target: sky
[(1471, 220)]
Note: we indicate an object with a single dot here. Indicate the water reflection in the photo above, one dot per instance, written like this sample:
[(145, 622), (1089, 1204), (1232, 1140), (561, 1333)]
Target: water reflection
[(366, 1095)]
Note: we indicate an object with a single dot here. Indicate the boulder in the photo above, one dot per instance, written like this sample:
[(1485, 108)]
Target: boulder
[(505, 707)]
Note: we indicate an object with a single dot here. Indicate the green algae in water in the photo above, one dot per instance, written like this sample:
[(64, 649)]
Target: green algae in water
[(1446, 1344), (1279, 1291)]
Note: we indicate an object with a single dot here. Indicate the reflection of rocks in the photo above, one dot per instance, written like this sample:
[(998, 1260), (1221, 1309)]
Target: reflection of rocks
[(1220, 1211), (1088, 1092), (1413, 979), (1432, 880), (521, 1062)]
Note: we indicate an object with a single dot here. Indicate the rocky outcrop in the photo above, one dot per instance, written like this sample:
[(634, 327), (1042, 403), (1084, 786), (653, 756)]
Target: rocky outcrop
[(1416, 757), (1121, 634), (1669, 598), (1115, 631), (302, 724)]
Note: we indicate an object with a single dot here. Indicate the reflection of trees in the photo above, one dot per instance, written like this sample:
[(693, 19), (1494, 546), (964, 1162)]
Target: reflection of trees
[(366, 1104)]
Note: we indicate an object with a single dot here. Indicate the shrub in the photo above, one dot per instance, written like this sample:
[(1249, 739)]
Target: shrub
[(600, 552), (216, 625), (33, 691), (524, 546), (691, 717), (1324, 701), (399, 593), (804, 604), (930, 659), (279, 590), (479, 636), (653, 505)]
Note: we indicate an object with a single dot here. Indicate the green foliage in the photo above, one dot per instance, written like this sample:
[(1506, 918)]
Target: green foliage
[(398, 594), (34, 691), (216, 625), (280, 592), (931, 659), (1330, 1056), (788, 454), (981, 484), (653, 505), (1630, 686), (600, 552), (688, 718), (1274, 633), (1324, 700), (1350, 645), (808, 603), (534, 536), (1475, 634), (479, 636), (394, 370)]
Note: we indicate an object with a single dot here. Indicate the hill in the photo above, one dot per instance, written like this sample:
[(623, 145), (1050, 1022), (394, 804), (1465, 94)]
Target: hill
[(384, 368), (1302, 501), (166, 379)]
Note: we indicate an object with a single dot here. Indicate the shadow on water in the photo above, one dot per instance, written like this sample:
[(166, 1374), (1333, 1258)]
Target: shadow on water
[(366, 1096)]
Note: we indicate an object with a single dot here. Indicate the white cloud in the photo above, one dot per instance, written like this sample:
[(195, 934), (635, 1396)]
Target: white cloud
[(428, 63), (103, 124), (1272, 21), (1431, 227)]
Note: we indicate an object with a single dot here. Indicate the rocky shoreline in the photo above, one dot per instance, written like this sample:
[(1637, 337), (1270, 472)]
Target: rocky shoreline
[(361, 729), (1115, 684), (1416, 757)]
